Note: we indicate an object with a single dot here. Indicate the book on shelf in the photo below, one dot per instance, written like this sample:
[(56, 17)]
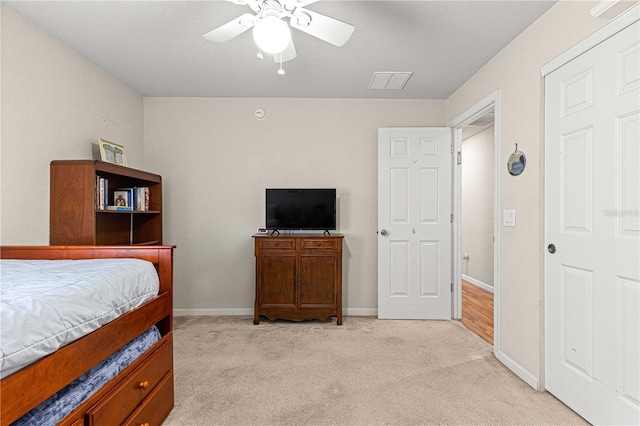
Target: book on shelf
[(102, 192), (143, 198), (136, 197), (119, 208)]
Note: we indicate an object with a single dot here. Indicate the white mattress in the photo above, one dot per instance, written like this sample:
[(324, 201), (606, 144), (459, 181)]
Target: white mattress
[(46, 304)]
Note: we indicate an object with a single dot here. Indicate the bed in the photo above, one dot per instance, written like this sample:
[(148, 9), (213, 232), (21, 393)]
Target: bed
[(141, 392)]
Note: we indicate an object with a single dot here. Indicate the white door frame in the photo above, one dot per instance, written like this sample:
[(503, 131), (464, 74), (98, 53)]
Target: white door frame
[(618, 24), (469, 116)]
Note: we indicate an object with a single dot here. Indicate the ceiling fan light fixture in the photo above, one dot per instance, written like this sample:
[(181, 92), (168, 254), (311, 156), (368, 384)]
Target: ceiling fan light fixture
[(271, 34), (272, 30)]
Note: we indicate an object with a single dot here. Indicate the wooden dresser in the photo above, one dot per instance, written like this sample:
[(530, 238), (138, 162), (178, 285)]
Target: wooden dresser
[(298, 277)]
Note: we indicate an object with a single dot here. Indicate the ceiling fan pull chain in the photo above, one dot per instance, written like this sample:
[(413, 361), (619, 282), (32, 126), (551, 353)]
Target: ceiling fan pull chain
[(281, 71)]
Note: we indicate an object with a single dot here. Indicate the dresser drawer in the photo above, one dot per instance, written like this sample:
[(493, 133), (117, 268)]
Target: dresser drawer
[(278, 243), (155, 407), (319, 244), (118, 404)]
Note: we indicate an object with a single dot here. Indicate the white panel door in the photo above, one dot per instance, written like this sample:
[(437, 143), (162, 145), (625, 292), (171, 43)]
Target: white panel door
[(414, 223), (592, 205)]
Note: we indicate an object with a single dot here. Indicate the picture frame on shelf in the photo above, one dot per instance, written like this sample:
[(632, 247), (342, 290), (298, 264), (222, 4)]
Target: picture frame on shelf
[(112, 152), (122, 198)]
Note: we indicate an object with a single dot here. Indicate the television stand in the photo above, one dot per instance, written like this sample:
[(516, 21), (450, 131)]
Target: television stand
[(326, 233), (298, 277), (275, 233)]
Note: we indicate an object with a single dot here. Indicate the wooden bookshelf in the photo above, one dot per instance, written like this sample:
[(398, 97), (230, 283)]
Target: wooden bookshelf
[(74, 218)]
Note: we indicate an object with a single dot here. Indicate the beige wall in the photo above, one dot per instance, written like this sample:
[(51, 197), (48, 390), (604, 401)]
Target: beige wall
[(515, 71), (477, 206), (216, 160), (55, 105)]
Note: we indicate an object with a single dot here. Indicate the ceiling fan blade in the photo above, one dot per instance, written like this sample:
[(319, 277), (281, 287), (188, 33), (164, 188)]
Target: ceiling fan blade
[(231, 29), (323, 27), (288, 54)]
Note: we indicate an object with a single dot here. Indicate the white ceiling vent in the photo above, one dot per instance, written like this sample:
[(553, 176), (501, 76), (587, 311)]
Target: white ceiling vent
[(389, 80)]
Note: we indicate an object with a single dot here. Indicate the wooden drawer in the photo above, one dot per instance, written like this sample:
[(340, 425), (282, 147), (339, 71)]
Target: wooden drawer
[(319, 244), (118, 404), (156, 407), (278, 243)]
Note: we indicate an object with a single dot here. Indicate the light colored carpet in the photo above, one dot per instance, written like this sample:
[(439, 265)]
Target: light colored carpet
[(365, 372)]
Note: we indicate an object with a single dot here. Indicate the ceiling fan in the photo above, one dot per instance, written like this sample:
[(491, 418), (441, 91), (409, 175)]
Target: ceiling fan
[(271, 32)]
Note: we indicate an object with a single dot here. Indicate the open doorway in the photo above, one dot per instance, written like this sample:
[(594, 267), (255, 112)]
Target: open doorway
[(486, 110), (477, 205)]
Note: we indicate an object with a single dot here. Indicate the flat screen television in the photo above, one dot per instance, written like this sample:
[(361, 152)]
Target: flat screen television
[(300, 209)]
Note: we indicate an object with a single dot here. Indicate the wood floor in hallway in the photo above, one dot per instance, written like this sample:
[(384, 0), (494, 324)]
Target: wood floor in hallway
[(477, 310)]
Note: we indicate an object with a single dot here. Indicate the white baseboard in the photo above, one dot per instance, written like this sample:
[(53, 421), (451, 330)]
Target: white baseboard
[(477, 283), (212, 312), (361, 312), (518, 370), (354, 312)]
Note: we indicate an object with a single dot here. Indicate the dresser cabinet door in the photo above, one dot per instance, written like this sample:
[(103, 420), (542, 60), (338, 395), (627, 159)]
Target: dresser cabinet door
[(317, 283), (278, 279)]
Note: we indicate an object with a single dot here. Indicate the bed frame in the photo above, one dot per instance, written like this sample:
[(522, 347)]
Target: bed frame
[(143, 392)]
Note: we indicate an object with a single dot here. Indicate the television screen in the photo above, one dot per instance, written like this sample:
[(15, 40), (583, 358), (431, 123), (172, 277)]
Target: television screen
[(300, 209)]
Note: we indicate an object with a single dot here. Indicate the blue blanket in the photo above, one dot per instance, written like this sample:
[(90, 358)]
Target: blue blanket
[(56, 408)]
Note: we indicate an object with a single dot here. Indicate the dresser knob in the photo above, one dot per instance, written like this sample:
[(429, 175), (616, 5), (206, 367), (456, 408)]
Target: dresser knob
[(318, 244), (143, 385), (277, 244)]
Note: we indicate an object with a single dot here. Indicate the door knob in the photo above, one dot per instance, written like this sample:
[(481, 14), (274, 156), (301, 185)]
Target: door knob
[(384, 233), (551, 248)]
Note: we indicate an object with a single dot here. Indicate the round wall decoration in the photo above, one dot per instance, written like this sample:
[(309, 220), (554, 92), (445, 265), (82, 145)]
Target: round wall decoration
[(516, 163), (260, 114)]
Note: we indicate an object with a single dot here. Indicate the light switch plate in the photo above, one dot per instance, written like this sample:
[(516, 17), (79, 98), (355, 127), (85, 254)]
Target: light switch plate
[(509, 217)]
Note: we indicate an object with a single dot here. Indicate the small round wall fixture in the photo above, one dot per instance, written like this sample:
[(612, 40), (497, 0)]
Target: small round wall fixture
[(516, 162), (260, 114)]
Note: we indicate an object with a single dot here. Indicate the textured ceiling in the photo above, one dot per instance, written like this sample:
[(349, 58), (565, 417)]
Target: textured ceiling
[(157, 48)]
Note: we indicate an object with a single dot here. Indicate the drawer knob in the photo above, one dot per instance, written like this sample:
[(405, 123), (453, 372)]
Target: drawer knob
[(143, 385), (277, 244), (318, 244)]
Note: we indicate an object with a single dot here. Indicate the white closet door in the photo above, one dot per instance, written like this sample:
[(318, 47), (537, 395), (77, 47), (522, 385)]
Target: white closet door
[(592, 227)]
